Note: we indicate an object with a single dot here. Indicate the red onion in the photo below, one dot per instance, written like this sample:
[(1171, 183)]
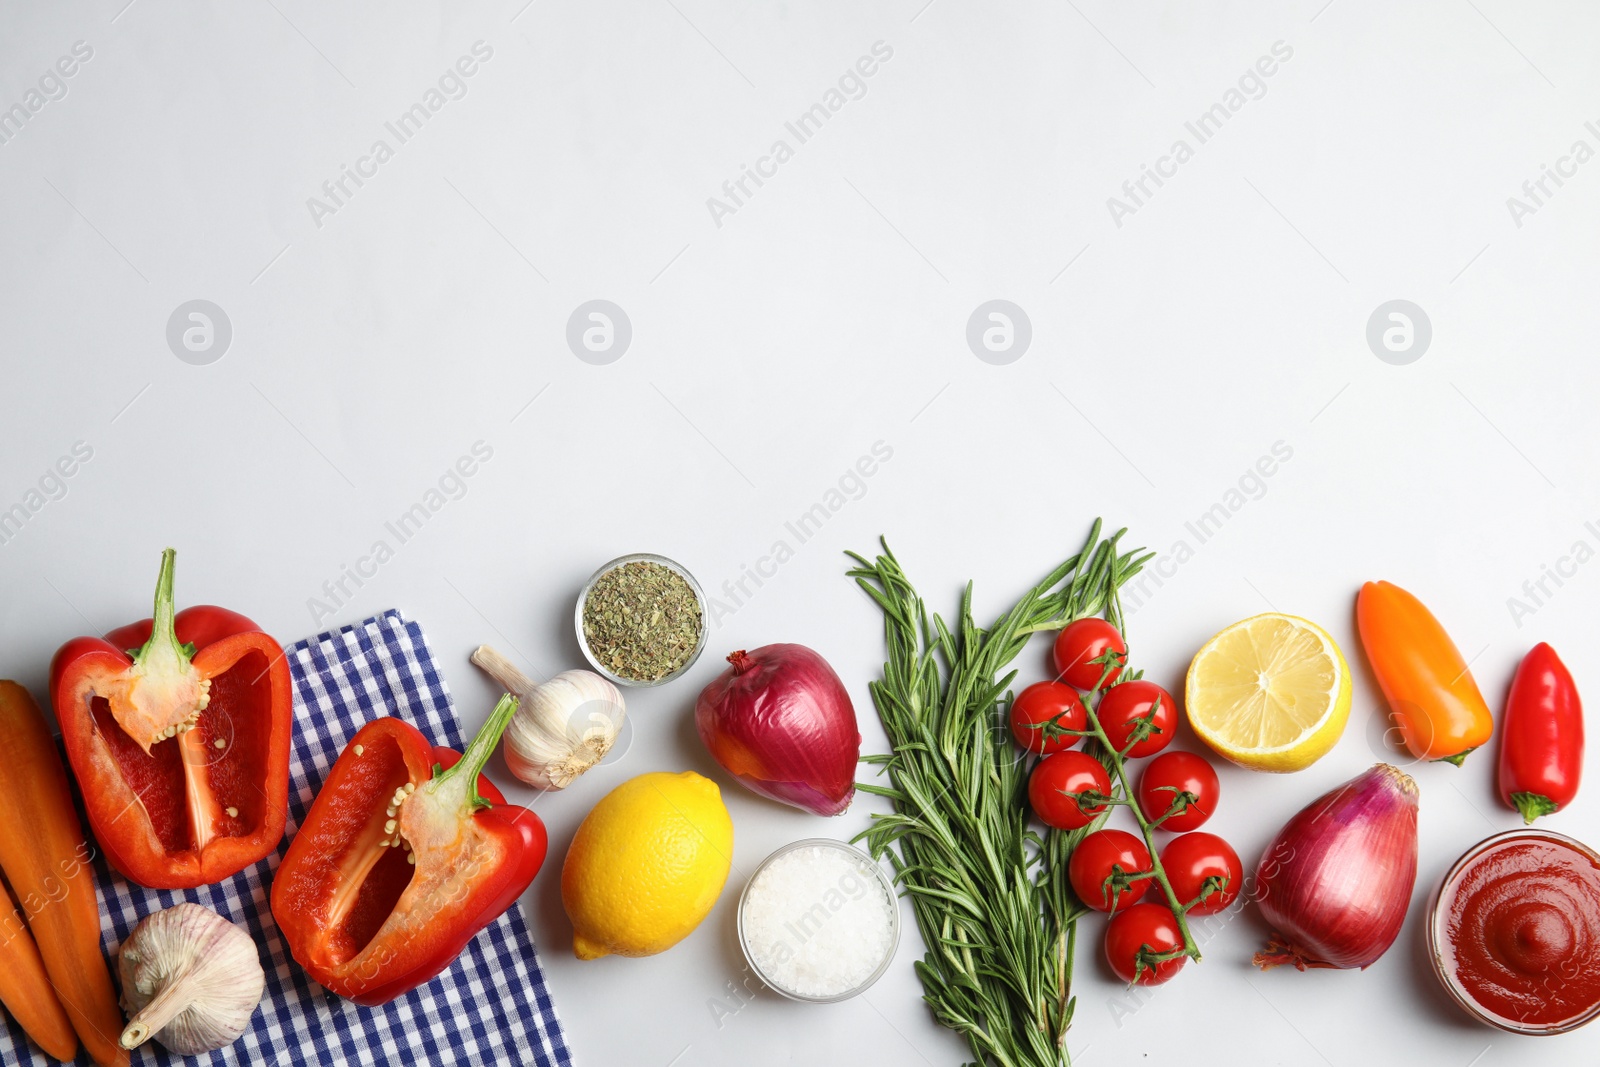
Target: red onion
[(1336, 881), (780, 721)]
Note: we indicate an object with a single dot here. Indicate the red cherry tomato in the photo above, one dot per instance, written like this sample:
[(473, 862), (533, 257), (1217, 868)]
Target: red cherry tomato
[(1042, 711), (1143, 928), (1099, 864), (1172, 776), (1122, 705), (1062, 773), (1191, 859), (1082, 641)]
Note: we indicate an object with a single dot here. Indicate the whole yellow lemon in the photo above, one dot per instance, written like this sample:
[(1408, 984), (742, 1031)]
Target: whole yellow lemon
[(646, 865)]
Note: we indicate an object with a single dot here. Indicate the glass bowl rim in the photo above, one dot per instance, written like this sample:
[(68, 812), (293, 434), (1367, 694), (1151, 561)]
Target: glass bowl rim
[(1436, 934), (583, 642), (867, 862)]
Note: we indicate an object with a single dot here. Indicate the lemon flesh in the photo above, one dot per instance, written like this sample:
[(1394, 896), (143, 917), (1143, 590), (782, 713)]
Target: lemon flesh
[(1271, 693)]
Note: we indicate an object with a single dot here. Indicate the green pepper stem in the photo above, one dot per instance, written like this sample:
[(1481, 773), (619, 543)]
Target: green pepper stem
[(477, 754), (163, 648), (1533, 805)]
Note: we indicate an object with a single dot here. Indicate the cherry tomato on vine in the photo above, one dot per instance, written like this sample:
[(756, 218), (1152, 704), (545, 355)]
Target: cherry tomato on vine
[(1142, 929), (1174, 775), (1190, 859), (1122, 705), (1082, 641), (1062, 773), (1100, 864), (1042, 711)]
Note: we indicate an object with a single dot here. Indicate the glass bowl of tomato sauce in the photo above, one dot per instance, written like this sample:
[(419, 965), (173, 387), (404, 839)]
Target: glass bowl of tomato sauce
[(1514, 932)]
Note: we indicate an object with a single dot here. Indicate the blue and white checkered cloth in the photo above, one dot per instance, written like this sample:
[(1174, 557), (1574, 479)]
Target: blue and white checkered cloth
[(489, 1007)]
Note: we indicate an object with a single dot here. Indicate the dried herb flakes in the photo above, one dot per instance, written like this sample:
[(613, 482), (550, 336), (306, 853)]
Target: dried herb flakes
[(642, 621)]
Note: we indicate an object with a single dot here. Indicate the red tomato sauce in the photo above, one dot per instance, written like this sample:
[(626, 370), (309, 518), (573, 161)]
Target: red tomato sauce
[(1519, 920)]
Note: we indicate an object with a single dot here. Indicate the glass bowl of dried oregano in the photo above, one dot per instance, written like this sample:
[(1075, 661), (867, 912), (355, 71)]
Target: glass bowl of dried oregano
[(641, 620)]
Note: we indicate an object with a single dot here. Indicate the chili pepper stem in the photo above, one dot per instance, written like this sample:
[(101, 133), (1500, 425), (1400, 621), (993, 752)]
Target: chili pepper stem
[(1533, 805), (477, 754), (168, 1004)]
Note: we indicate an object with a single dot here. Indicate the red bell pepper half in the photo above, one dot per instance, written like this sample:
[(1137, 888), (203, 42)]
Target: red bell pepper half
[(404, 856), (181, 745), (1541, 739)]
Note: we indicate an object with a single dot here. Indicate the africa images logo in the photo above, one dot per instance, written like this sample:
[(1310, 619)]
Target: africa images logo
[(852, 85), (1538, 191), (1251, 85), (52, 85), (451, 85)]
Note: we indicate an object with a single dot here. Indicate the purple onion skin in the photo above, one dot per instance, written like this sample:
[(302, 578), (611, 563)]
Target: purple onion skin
[(1337, 880), (781, 722)]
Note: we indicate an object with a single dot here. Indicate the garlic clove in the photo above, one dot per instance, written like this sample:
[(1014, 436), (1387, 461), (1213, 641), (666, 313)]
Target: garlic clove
[(190, 978), (562, 727)]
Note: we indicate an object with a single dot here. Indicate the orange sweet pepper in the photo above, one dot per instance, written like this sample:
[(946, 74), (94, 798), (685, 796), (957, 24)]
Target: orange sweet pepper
[(1431, 693)]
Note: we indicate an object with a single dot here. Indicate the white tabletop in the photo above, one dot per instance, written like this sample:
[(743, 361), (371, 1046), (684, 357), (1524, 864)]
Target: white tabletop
[(935, 157)]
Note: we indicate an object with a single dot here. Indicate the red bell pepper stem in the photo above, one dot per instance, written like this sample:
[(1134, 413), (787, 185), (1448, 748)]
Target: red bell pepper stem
[(164, 647), (464, 775), (1541, 739), (369, 921), (177, 728), (163, 693), (164, 656)]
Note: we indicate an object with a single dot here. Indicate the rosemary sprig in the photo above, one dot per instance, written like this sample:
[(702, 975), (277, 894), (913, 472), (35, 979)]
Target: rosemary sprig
[(990, 894)]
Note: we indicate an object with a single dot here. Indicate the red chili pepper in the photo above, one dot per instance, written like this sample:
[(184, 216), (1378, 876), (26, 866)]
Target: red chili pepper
[(405, 855), (1541, 739), (181, 745)]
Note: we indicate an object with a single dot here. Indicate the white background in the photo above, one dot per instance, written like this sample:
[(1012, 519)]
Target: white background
[(828, 312)]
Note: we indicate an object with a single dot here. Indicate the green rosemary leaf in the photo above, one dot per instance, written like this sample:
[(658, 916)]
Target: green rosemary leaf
[(988, 891)]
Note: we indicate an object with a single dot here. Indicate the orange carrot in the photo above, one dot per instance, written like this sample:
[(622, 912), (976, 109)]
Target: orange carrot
[(46, 859), (25, 987)]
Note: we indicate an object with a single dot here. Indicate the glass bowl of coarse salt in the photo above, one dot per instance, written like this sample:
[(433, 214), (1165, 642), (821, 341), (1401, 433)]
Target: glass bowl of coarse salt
[(819, 921)]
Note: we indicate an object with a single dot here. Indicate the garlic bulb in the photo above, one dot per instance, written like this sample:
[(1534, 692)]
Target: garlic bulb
[(562, 727), (190, 978)]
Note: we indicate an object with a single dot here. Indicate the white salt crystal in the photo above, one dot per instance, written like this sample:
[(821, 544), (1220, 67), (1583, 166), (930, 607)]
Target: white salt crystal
[(817, 921)]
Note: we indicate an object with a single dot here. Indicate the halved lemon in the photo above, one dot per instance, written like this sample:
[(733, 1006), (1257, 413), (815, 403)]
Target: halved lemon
[(1271, 693)]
